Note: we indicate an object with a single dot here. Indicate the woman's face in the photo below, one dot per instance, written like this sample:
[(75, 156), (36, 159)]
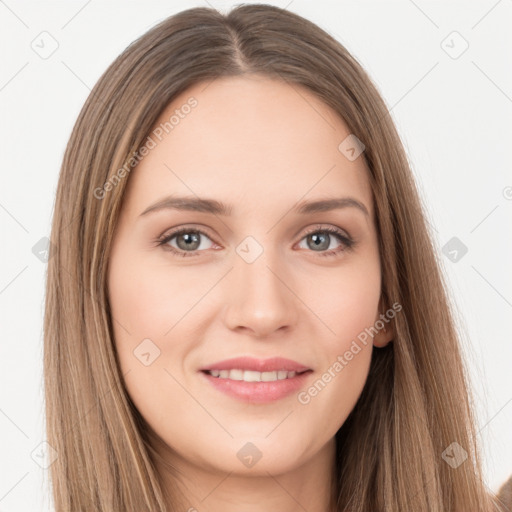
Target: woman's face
[(261, 280)]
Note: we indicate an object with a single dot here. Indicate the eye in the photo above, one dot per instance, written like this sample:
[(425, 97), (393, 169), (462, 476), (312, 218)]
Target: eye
[(321, 238), (188, 241)]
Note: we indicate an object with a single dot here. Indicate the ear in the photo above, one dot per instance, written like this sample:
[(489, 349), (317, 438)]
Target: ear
[(386, 333)]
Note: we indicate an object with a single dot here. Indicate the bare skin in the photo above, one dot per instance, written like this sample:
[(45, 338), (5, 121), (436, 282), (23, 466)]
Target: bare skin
[(261, 147)]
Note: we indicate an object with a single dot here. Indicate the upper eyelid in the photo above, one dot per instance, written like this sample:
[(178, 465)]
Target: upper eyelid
[(185, 229)]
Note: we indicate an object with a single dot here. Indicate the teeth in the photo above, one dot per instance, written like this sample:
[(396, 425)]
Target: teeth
[(270, 376), (235, 374), (252, 376)]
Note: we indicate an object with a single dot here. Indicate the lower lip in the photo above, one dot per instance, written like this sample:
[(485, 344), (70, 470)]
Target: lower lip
[(258, 392)]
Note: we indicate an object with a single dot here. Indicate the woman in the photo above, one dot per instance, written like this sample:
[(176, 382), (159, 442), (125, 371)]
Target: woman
[(244, 308)]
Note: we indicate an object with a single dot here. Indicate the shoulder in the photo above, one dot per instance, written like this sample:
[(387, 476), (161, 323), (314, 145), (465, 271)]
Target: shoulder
[(505, 495)]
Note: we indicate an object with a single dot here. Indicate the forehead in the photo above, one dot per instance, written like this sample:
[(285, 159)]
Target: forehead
[(245, 141)]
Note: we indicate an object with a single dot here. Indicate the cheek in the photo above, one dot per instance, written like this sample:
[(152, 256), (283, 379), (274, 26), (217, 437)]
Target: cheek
[(145, 306), (138, 323), (147, 298), (153, 307), (347, 303)]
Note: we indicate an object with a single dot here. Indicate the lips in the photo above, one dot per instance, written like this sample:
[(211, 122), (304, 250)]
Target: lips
[(257, 380)]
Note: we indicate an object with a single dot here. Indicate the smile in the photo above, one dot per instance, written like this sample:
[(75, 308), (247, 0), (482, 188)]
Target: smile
[(252, 376)]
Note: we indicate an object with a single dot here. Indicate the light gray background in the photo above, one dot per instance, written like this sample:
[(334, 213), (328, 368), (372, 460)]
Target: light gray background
[(454, 116)]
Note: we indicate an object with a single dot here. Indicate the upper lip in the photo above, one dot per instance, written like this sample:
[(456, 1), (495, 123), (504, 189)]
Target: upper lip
[(258, 365)]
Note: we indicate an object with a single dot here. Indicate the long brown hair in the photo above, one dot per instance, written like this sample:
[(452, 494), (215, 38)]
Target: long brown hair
[(416, 401)]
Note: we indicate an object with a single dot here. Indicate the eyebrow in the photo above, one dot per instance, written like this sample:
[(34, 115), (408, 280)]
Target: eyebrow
[(215, 207)]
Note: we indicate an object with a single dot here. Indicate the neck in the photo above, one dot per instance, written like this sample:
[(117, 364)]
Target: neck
[(309, 487)]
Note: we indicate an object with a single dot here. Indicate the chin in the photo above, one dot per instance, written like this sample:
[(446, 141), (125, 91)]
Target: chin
[(258, 456)]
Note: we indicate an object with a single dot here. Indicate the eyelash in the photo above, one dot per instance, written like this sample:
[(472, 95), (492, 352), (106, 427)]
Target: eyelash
[(347, 242)]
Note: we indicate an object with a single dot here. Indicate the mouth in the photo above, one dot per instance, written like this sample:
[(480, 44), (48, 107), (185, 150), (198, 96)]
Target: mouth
[(255, 380), (253, 376)]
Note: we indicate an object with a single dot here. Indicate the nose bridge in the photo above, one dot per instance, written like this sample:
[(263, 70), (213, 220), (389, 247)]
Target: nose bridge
[(260, 300)]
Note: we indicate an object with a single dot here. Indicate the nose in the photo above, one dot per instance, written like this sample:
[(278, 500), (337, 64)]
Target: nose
[(260, 298)]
